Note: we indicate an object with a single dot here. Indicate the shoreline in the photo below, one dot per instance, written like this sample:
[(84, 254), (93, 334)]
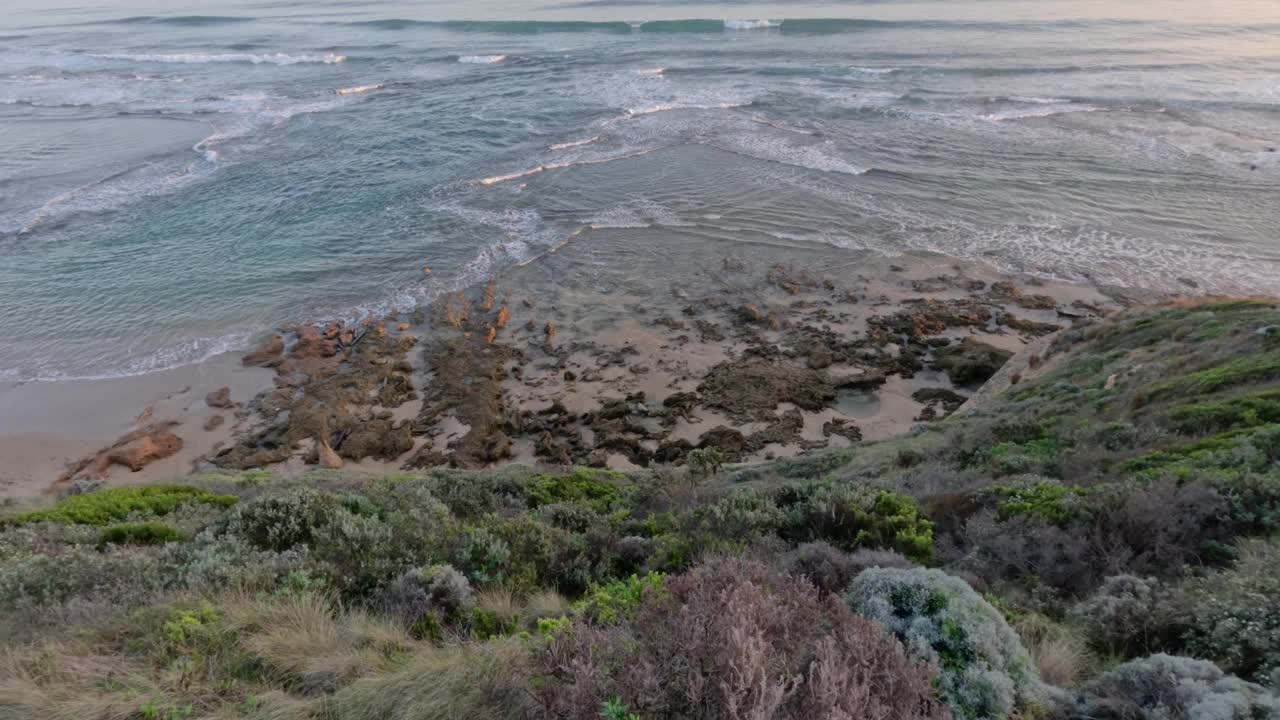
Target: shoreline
[(571, 374)]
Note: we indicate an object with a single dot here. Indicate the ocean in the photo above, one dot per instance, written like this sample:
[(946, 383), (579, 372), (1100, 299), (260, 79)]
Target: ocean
[(178, 178)]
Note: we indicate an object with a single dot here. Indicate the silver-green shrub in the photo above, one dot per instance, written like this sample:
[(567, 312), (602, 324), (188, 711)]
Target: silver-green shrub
[(1123, 615), (984, 671), (1167, 687)]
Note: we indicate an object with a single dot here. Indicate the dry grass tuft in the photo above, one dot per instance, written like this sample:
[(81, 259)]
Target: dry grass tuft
[(1062, 657)]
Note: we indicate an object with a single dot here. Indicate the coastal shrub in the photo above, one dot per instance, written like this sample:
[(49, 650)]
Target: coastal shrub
[(142, 533), (619, 599), (851, 517), (122, 575), (212, 563), (742, 513), (830, 570), (1046, 499), (730, 639), (482, 556), (985, 672), (1246, 411), (1249, 368), (826, 567), (594, 488), (104, 507), (1123, 616), (1167, 687), (426, 599), (1233, 616), (356, 554), (281, 521)]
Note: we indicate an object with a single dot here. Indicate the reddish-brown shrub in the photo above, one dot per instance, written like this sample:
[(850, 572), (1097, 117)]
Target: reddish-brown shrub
[(735, 640)]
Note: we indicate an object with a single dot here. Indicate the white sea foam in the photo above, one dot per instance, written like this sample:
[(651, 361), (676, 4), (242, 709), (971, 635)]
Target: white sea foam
[(359, 89), (651, 72), (481, 59), (668, 107), (1046, 111), (821, 156), (113, 192), (874, 70), (1037, 100), (202, 58), (750, 24), (496, 179), (574, 143), (187, 352)]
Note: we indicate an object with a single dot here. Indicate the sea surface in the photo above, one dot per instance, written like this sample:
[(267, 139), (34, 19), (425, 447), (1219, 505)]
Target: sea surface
[(178, 177)]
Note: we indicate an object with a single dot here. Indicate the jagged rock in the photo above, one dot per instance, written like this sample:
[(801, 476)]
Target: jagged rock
[(972, 361), (267, 353)]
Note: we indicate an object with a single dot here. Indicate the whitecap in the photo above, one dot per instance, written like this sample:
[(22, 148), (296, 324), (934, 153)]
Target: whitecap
[(772, 149), (574, 143), (202, 58), (1037, 100), (496, 179), (359, 89), (668, 107), (750, 24), (481, 59), (1030, 113)]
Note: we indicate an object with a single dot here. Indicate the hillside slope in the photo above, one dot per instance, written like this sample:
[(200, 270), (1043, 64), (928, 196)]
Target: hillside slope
[(1093, 541)]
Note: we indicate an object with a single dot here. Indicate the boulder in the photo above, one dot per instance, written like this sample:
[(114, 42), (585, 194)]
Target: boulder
[(220, 398)]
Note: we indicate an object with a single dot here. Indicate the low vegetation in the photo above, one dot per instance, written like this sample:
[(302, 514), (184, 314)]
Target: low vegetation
[(1098, 541)]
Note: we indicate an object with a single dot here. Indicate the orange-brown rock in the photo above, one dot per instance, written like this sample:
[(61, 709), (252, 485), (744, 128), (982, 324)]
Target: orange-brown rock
[(220, 398), (503, 316), (267, 353), (135, 451), (491, 335), (311, 346), (550, 330), (403, 327), (326, 457), (146, 450), (426, 270), (381, 329)]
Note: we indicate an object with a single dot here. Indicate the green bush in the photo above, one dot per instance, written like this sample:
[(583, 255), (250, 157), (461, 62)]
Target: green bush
[(595, 488), (144, 533), (281, 521), (1047, 499), (739, 515), (483, 556), (617, 600), (1233, 616), (105, 507), (1246, 411), (985, 672), (852, 517)]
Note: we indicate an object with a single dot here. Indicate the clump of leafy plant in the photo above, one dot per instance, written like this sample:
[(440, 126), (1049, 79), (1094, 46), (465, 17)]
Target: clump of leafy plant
[(104, 507)]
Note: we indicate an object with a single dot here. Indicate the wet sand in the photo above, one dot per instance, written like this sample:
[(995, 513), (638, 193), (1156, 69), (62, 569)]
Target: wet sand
[(753, 350), (47, 426)]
